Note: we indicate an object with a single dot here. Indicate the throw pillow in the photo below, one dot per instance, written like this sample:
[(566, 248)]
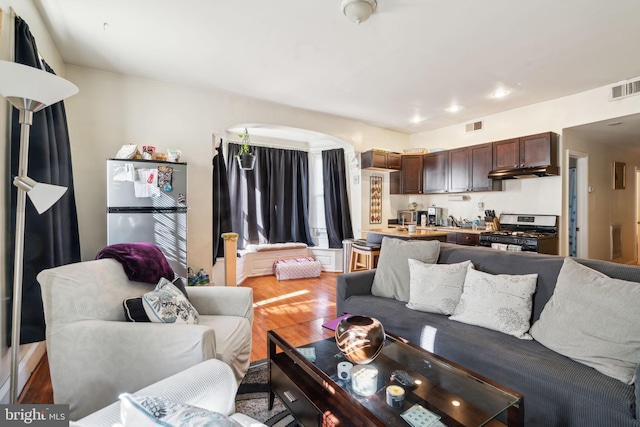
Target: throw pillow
[(143, 411), (500, 302), (134, 310), (593, 319), (166, 304), (392, 276), (436, 288), (141, 261)]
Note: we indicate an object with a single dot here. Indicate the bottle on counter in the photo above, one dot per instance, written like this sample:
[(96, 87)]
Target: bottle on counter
[(423, 220)]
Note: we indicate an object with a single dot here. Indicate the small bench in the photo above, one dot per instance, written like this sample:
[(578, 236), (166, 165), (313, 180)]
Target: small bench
[(296, 268)]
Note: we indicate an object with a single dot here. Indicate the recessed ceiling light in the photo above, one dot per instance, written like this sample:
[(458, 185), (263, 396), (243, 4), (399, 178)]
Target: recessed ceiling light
[(417, 119), (501, 93), (454, 108)]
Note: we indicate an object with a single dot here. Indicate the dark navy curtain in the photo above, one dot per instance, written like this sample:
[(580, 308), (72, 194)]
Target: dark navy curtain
[(221, 204), (270, 204), (51, 239), (336, 199)]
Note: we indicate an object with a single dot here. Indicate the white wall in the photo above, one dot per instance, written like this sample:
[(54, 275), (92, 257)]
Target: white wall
[(607, 206), (112, 110), (537, 195), (27, 11)]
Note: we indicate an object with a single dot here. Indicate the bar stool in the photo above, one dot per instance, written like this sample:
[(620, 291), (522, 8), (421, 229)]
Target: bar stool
[(364, 256)]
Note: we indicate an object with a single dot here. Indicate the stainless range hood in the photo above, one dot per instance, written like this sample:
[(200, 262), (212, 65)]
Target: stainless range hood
[(519, 173)]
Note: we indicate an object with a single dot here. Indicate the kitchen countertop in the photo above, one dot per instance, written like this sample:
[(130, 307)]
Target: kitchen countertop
[(455, 230), (421, 233)]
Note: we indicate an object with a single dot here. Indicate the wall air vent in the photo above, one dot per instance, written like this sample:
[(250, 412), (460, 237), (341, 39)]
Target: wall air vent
[(472, 127), (624, 89)]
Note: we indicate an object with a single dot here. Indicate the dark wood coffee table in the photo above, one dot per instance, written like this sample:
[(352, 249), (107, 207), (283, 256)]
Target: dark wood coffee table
[(316, 396)]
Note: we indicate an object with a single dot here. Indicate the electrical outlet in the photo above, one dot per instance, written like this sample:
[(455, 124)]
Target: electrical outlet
[(356, 180), (481, 206)]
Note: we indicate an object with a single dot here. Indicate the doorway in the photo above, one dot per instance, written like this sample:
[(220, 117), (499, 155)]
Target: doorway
[(578, 189)]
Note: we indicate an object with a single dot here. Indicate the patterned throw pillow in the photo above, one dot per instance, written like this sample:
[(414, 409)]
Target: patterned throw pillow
[(166, 304), (142, 411), (436, 288), (500, 302)]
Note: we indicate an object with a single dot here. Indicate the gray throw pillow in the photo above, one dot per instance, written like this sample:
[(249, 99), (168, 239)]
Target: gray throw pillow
[(501, 302), (593, 319), (436, 288), (392, 276)]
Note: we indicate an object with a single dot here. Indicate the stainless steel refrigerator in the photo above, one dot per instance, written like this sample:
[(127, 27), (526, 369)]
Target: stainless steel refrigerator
[(147, 202)]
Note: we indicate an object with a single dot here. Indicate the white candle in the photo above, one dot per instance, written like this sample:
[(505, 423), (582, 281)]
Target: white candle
[(364, 380)]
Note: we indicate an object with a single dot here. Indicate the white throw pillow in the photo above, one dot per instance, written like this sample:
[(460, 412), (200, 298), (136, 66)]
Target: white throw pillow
[(392, 276), (436, 288), (167, 304), (143, 411), (500, 302), (593, 319)]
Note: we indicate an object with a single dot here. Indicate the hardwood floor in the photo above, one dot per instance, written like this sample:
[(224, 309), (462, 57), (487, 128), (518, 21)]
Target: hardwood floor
[(276, 304)]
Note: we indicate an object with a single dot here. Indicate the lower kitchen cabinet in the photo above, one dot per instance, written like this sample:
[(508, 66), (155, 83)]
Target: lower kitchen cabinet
[(468, 239)]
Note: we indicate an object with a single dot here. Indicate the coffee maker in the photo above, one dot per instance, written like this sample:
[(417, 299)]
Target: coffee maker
[(433, 215)]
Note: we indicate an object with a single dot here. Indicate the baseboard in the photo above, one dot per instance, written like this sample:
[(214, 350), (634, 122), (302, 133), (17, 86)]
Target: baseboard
[(30, 356)]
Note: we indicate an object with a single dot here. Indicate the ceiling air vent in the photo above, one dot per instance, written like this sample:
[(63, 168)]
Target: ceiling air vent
[(472, 127), (625, 89)]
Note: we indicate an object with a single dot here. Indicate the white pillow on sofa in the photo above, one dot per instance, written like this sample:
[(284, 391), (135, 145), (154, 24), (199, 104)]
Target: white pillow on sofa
[(436, 288), (499, 302), (593, 319), (151, 411)]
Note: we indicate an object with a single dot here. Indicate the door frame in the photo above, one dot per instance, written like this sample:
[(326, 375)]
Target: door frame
[(583, 189)]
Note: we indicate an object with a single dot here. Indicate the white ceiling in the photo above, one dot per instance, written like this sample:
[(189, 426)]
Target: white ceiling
[(411, 59)]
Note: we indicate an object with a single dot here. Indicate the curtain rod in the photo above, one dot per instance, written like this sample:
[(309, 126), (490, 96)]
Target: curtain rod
[(284, 147)]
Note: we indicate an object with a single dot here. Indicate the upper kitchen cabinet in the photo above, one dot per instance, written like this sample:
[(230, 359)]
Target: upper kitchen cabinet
[(539, 150), (411, 177), (436, 172), (469, 167), (380, 160), (527, 151)]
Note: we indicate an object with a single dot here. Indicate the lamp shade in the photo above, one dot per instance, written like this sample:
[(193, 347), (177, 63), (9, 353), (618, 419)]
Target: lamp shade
[(43, 196), (29, 88), (358, 10)]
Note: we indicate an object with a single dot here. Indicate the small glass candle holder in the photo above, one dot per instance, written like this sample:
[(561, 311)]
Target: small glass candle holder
[(364, 380), (395, 396)]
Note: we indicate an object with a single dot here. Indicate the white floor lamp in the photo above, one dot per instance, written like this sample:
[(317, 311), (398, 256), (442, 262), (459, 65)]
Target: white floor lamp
[(29, 90)]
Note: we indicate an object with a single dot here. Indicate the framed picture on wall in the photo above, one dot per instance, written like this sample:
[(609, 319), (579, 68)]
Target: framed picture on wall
[(375, 209), (619, 172)]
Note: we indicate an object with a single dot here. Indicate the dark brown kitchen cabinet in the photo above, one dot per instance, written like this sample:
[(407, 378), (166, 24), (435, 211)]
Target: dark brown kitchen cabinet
[(480, 164), (527, 151), (461, 238), (436, 172), (412, 169), (506, 154), (539, 150), (469, 167), (459, 168), (380, 160)]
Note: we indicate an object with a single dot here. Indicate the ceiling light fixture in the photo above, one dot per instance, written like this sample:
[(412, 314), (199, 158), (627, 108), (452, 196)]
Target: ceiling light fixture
[(501, 93), (358, 10), (454, 108)]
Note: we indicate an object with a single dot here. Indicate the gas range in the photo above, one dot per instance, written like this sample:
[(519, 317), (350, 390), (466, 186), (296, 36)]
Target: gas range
[(532, 233)]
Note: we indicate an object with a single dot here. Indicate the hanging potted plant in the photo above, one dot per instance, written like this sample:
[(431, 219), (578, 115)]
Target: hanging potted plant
[(246, 159)]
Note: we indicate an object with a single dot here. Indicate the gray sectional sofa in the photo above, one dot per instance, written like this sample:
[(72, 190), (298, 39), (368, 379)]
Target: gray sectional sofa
[(557, 390)]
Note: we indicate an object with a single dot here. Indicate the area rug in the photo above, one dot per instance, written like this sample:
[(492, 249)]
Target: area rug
[(253, 398)]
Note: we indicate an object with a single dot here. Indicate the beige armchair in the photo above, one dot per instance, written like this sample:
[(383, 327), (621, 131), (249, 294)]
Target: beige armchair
[(95, 354)]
